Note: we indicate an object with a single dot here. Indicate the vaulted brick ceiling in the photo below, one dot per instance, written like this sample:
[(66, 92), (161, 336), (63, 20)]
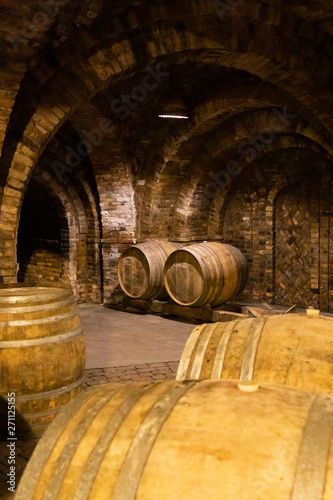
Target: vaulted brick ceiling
[(63, 65)]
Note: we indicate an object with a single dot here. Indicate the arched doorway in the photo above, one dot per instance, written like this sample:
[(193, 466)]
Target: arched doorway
[(43, 238)]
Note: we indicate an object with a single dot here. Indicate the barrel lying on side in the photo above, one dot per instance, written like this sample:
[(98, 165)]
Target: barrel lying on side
[(140, 269), (186, 441), (42, 351), (293, 349), (207, 273)]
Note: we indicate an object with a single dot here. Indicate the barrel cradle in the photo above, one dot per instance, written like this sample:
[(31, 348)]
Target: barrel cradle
[(206, 273), (292, 349), (42, 351), (186, 441), (140, 269)]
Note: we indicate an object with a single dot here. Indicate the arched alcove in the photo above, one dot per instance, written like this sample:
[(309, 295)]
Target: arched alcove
[(43, 237)]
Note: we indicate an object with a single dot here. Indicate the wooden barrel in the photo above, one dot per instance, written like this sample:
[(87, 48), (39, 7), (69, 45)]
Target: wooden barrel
[(42, 351), (207, 273), (186, 441), (292, 349), (140, 269)]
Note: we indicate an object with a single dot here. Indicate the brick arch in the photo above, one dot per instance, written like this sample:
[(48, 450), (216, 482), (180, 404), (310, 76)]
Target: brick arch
[(68, 255), (267, 23), (266, 20), (61, 96), (171, 149), (228, 136), (281, 143), (241, 217), (78, 191), (115, 185)]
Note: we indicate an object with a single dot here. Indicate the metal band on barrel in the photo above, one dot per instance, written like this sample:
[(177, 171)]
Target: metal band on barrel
[(310, 477), (134, 464), (222, 349), (187, 354), (42, 321), (49, 394), (204, 339), (253, 340), (96, 457), (10, 344), (45, 298), (43, 307), (35, 466)]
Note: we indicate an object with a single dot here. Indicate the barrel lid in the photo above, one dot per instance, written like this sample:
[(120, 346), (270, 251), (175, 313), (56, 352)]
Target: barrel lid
[(183, 276)]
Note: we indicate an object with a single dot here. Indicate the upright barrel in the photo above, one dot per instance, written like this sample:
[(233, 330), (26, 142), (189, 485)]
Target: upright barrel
[(42, 351), (207, 273), (293, 349), (140, 269), (186, 441)]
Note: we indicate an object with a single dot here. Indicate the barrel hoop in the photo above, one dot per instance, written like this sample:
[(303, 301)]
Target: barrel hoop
[(155, 283), (241, 265), (49, 394), (42, 321), (67, 453), (188, 352), (310, 476), (210, 260), (45, 413), (9, 344), (135, 462), (252, 344), (46, 307), (97, 455), (222, 349), (47, 298), (35, 466), (206, 334)]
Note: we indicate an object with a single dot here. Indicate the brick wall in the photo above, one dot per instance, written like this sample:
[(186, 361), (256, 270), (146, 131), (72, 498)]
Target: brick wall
[(39, 261), (263, 69)]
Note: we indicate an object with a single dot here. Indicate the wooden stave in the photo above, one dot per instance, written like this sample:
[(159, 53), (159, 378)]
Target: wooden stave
[(155, 253), (211, 256), (56, 339), (286, 448), (287, 352)]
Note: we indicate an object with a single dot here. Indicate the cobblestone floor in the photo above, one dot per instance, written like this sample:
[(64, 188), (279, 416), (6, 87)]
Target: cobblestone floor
[(145, 371), (94, 376)]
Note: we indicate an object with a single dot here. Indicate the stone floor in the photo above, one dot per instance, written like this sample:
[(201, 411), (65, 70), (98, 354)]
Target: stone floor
[(121, 347), (116, 338)]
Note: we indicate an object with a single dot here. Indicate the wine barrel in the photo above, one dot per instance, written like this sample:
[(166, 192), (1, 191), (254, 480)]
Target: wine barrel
[(186, 441), (42, 351), (292, 349), (207, 273), (140, 269)]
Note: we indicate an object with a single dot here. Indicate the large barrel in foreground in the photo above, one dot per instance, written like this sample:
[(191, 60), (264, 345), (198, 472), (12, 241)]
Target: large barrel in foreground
[(293, 349), (42, 351), (140, 269), (207, 273), (186, 441)]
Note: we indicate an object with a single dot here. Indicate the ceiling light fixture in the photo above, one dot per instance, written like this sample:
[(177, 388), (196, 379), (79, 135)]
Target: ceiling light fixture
[(175, 107), (178, 117)]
